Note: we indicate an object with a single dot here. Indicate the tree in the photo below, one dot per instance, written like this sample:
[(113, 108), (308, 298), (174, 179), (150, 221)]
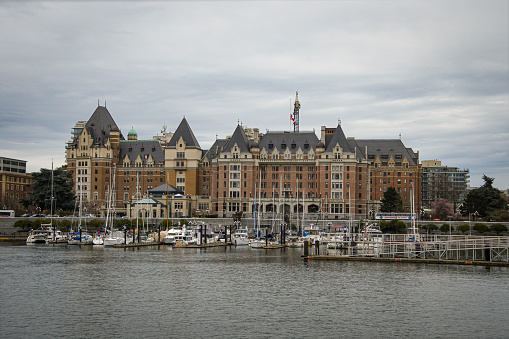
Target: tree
[(24, 224), (484, 200), (498, 228), (63, 196), (238, 216), (445, 228), (463, 228), (391, 201), (441, 209), (481, 228), (393, 226)]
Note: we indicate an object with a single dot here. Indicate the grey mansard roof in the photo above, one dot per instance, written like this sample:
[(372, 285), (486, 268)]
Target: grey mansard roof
[(293, 141), (100, 124), (390, 147), (216, 148), (143, 148), (184, 131)]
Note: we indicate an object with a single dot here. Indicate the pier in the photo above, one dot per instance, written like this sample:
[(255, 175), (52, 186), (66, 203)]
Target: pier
[(439, 249)]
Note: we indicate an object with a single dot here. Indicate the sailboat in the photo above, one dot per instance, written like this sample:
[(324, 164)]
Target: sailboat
[(47, 234), (111, 240), (81, 237), (258, 242)]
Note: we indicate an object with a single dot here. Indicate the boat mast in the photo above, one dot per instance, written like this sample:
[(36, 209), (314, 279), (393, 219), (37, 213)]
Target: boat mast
[(167, 193), (297, 197), (137, 197), (259, 199), (51, 202), (108, 207)]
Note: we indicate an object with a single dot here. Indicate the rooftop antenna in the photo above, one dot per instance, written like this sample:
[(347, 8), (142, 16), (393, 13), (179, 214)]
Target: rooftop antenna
[(104, 103), (296, 110), (339, 121), (399, 135), (97, 102)]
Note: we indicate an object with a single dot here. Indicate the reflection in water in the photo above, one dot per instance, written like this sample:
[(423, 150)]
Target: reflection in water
[(51, 291)]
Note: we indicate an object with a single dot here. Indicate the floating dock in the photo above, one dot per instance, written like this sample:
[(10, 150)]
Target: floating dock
[(216, 244), (141, 244), (435, 249), (408, 260)]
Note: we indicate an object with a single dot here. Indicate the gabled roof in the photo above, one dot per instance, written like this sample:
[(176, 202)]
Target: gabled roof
[(291, 141), (186, 133), (142, 148), (337, 138), (162, 189), (239, 137), (146, 201), (100, 124)]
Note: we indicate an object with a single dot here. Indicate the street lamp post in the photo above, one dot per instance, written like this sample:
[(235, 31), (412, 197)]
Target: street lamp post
[(450, 226)]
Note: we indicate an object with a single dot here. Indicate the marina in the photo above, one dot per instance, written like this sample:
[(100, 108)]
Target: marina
[(228, 291)]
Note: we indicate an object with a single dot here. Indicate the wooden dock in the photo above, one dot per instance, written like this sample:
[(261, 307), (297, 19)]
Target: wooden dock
[(216, 244), (273, 247), (141, 244), (408, 260)]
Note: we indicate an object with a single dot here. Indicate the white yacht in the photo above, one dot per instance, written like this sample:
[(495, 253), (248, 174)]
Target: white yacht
[(39, 236), (258, 243), (46, 235), (311, 233), (240, 237)]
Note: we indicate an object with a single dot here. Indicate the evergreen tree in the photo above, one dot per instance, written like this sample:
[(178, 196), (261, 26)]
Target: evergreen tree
[(391, 201), (484, 200), (63, 195)]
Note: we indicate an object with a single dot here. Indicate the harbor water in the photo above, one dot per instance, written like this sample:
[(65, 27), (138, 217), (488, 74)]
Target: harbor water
[(53, 291)]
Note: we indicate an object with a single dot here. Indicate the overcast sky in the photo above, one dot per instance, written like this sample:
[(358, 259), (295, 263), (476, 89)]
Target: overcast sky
[(435, 71)]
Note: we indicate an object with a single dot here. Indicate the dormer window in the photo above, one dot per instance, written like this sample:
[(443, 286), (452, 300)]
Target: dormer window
[(271, 145)]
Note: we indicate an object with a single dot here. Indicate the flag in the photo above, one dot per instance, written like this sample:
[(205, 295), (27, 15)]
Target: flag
[(292, 119)]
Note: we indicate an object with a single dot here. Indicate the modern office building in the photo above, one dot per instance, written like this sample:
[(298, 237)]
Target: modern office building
[(445, 182)]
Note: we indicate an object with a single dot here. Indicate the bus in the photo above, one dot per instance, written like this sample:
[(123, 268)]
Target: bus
[(6, 213), (394, 216)]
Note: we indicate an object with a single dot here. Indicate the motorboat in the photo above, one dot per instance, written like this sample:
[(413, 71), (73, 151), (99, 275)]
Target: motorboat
[(171, 236), (46, 235), (39, 236), (240, 237), (294, 241), (257, 243), (311, 233)]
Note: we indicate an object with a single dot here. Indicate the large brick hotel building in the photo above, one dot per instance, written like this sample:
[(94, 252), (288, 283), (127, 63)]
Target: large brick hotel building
[(325, 176)]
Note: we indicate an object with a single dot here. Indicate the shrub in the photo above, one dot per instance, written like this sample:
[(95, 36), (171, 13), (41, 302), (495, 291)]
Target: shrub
[(445, 228), (463, 228), (498, 228), (481, 228), (24, 224)]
